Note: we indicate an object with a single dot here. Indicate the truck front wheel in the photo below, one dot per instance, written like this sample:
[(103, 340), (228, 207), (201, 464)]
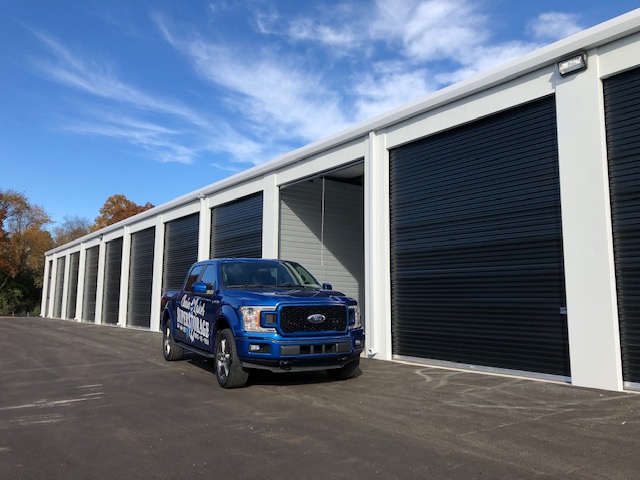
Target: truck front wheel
[(170, 350), (229, 371), (345, 372)]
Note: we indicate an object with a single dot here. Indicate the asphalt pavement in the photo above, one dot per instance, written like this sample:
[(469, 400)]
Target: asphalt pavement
[(87, 401)]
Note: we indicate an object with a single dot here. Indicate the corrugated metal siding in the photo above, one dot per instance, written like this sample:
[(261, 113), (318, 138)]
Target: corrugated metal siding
[(90, 285), (141, 278), (112, 274), (331, 249), (622, 113), (180, 250), (476, 244), (72, 297), (57, 301), (236, 228)]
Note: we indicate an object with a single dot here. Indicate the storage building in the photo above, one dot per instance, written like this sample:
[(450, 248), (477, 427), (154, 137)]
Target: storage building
[(493, 225)]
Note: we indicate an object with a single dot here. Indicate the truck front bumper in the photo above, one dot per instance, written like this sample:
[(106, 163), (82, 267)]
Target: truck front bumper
[(300, 354)]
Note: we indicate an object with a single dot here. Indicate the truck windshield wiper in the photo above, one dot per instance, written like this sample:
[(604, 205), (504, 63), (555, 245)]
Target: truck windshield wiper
[(250, 285)]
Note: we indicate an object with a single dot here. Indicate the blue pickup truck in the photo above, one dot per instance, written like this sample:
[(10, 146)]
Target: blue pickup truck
[(249, 313)]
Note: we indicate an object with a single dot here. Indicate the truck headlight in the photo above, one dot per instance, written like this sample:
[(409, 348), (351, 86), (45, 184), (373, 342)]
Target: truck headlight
[(251, 319), (354, 317)]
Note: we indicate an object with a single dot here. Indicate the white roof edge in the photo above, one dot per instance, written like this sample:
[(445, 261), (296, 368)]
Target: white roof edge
[(601, 34)]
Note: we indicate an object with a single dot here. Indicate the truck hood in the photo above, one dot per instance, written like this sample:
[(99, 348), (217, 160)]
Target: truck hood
[(263, 296)]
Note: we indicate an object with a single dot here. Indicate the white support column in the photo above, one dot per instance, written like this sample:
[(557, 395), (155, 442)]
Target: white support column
[(270, 217), (594, 336), (65, 284), (45, 287), (377, 249), (100, 284), (156, 290), (124, 278), (52, 292), (204, 239), (81, 270)]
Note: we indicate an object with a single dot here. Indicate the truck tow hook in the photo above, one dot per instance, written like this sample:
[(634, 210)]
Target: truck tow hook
[(285, 364)]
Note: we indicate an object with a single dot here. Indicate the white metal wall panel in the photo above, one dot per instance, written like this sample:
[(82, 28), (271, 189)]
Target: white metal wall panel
[(325, 233)]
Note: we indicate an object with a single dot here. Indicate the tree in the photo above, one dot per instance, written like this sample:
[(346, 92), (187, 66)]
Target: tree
[(23, 243), (70, 229), (117, 208)]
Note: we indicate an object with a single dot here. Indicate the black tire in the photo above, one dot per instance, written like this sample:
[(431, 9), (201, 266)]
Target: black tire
[(345, 372), (170, 350), (229, 371)]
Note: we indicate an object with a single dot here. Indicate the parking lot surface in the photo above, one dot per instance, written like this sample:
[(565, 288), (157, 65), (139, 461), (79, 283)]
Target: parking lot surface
[(88, 401)]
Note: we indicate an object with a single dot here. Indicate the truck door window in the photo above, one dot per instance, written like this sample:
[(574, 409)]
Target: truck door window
[(193, 276), (209, 277)]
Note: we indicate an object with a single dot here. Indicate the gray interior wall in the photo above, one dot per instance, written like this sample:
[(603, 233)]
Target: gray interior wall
[(331, 246)]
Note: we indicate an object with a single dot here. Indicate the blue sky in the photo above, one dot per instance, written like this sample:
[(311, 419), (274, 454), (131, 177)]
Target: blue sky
[(155, 99)]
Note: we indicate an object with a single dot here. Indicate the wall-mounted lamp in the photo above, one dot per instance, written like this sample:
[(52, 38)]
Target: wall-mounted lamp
[(200, 196), (573, 64)]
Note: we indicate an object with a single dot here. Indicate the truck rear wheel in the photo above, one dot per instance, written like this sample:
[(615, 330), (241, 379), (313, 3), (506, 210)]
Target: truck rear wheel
[(229, 371), (345, 372), (170, 350)]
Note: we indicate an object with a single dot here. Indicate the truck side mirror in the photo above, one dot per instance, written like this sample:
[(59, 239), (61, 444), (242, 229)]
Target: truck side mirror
[(199, 287), (327, 286)]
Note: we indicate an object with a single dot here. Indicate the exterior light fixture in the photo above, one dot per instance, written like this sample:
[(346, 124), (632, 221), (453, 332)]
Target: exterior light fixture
[(573, 64)]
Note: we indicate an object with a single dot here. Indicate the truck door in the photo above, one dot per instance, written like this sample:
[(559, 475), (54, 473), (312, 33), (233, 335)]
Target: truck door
[(187, 308), (211, 301)]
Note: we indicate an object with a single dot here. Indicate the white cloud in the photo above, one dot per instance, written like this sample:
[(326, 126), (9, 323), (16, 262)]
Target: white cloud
[(98, 80), (429, 30), (388, 86), (268, 89), (554, 25), (193, 134), (308, 29)]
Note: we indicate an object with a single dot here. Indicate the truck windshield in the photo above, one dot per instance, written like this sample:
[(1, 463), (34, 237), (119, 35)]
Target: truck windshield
[(266, 274)]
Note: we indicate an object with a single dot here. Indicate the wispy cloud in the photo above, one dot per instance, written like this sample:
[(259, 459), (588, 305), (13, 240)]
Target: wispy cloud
[(554, 25), (408, 48), (292, 79), (179, 134), (98, 80), (268, 88)]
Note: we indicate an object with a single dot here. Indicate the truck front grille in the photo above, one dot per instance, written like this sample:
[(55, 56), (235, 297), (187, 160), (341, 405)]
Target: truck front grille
[(296, 319)]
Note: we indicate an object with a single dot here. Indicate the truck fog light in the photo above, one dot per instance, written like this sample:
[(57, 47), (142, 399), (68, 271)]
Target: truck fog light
[(254, 348), (358, 342)]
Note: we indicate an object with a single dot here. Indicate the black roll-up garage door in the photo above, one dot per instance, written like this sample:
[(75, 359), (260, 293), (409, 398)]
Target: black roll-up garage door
[(622, 113), (141, 278), (180, 250), (90, 284), (49, 288), (112, 274), (476, 244), (236, 228), (72, 297), (57, 301)]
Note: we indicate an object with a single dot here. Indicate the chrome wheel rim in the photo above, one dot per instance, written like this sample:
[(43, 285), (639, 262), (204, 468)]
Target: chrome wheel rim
[(223, 359), (167, 337)]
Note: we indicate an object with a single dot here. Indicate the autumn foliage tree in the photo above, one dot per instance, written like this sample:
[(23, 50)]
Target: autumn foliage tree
[(71, 228), (23, 243), (117, 208)]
